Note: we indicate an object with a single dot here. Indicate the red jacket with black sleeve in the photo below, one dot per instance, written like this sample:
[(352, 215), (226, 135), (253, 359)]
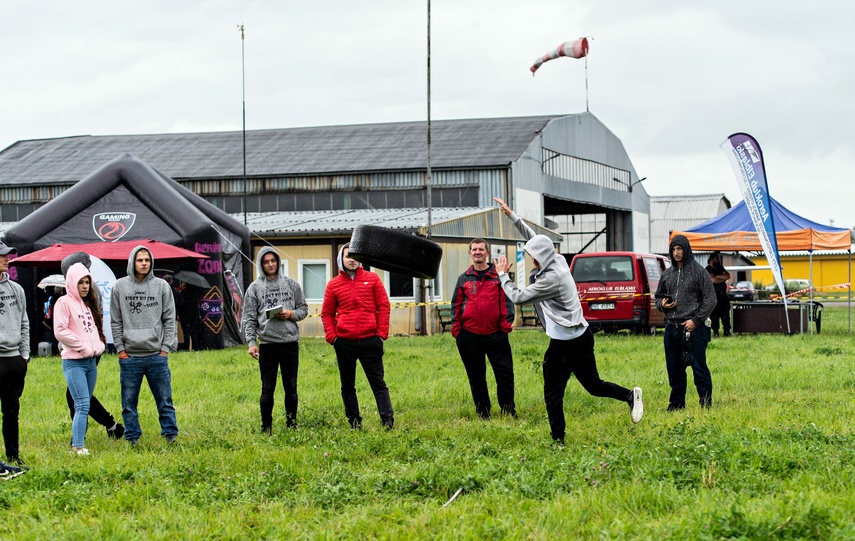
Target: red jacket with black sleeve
[(357, 308), (480, 306)]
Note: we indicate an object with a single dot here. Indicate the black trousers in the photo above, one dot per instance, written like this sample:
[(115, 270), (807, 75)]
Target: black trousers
[(721, 313), (97, 411), (13, 371), (495, 347), (369, 352), (272, 357), (190, 329), (566, 357)]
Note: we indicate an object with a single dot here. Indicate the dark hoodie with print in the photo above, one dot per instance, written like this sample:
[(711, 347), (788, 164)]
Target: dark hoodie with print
[(688, 284)]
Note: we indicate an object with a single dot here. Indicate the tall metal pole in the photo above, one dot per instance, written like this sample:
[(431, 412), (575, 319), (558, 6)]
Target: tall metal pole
[(428, 123), (243, 96), (425, 312), (588, 109)]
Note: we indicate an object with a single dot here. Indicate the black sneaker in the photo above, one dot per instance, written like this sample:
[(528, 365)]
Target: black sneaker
[(10, 471), (388, 423), (267, 430), (171, 438), (116, 431), (355, 423)]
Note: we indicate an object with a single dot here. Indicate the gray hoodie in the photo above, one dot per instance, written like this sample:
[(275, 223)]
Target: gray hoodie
[(263, 294), (14, 323), (142, 313), (690, 286), (552, 289)]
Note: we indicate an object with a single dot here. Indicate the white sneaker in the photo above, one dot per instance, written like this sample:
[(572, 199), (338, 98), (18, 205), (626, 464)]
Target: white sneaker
[(83, 451), (637, 407)]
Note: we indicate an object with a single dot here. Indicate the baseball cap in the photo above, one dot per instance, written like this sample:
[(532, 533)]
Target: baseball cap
[(4, 250)]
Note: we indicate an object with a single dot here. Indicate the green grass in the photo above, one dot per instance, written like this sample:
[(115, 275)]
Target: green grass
[(773, 459)]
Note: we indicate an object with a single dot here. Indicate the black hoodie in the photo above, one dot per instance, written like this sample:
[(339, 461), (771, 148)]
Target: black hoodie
[(690, 286)]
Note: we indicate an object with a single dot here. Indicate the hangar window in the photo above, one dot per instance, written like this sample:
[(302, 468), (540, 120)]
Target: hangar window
[(405, 288), (313, 276)]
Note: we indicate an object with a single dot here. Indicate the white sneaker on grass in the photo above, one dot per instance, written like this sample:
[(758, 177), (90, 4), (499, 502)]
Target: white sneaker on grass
[(636, 406)]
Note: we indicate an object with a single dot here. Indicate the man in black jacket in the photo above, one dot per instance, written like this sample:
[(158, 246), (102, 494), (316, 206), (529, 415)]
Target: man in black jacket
[(687, 297)]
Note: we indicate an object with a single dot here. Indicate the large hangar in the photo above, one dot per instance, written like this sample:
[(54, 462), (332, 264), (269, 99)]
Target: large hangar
[(542, 165)]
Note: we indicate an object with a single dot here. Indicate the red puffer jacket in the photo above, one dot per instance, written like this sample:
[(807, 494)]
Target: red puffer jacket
[(480, 306), (355, 309)]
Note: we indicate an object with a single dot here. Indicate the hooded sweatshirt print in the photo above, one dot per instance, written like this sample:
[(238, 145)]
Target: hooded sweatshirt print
[(74, 325), (142, 312), (266, 293), (14, 323)]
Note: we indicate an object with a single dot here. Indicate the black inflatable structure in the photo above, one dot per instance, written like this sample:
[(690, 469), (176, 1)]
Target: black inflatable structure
[(128, 199)]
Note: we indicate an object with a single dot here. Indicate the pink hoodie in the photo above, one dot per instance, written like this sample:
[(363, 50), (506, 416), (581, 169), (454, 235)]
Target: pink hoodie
[(73, 322)]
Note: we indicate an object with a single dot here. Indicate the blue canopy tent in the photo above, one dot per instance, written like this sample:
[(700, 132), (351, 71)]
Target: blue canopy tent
[(734, 230)]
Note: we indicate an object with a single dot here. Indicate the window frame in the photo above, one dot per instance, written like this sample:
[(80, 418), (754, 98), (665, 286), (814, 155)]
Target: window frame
[(301, 265)]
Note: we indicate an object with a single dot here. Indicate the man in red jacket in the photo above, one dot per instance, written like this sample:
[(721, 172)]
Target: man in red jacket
[(482, 316), (355, 315)]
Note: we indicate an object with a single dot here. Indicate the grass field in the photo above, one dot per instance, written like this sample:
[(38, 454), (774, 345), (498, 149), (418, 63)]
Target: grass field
[(773, 459)]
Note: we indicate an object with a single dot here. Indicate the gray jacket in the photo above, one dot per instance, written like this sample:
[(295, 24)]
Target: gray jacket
[(14, 323), (552, 289), (263, 294), (690, 286), (142, 313)]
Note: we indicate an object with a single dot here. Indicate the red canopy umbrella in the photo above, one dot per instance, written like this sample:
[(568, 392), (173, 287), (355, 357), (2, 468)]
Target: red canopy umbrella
[(106, 251)]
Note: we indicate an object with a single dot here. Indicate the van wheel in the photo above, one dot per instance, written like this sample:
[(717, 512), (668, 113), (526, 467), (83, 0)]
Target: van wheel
[(395, 251)]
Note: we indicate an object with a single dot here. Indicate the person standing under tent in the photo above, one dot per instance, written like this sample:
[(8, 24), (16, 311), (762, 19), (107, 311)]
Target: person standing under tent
[(272, 307), (571, 345), (79, 328), (355, 315), (143, 323), (719, 276)]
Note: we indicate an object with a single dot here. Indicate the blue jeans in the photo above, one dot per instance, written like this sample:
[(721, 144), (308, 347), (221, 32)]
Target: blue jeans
[(80, 376), (677, 368), (156, 370)]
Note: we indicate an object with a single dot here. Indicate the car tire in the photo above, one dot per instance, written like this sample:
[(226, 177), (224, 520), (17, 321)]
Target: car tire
[(395, 251)]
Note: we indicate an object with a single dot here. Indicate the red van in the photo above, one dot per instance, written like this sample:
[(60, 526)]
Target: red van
[(616, 289)]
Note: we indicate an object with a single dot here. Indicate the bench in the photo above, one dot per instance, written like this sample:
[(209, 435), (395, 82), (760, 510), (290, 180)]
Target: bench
[(443, 315), (528, 315)]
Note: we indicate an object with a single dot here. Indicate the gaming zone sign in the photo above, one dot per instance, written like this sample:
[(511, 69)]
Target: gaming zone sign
[(111, 226)]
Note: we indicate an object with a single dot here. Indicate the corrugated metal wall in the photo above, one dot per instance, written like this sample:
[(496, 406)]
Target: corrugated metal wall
[(486, 179)]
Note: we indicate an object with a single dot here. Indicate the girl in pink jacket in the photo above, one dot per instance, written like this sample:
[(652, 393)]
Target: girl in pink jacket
[(78, 327)]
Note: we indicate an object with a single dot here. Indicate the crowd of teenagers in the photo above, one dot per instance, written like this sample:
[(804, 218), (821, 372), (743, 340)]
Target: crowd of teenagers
[(355, 316)]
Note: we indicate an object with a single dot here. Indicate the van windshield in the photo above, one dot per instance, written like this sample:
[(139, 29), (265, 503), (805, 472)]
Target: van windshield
[(608, 268)]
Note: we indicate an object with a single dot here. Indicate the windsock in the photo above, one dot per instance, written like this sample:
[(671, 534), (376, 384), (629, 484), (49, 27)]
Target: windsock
[(572, 49)]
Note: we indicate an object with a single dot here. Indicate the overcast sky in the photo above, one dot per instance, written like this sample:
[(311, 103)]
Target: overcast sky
[(672, 79)]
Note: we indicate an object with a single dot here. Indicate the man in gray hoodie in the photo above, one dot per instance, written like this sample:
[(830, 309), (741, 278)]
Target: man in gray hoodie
[(14, 357), (142, 314), (571, 346), (687, 296), (272, 307)]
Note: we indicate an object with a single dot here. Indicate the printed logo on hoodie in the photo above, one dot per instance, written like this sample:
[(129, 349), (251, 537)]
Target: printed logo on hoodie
[(140, 300)]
